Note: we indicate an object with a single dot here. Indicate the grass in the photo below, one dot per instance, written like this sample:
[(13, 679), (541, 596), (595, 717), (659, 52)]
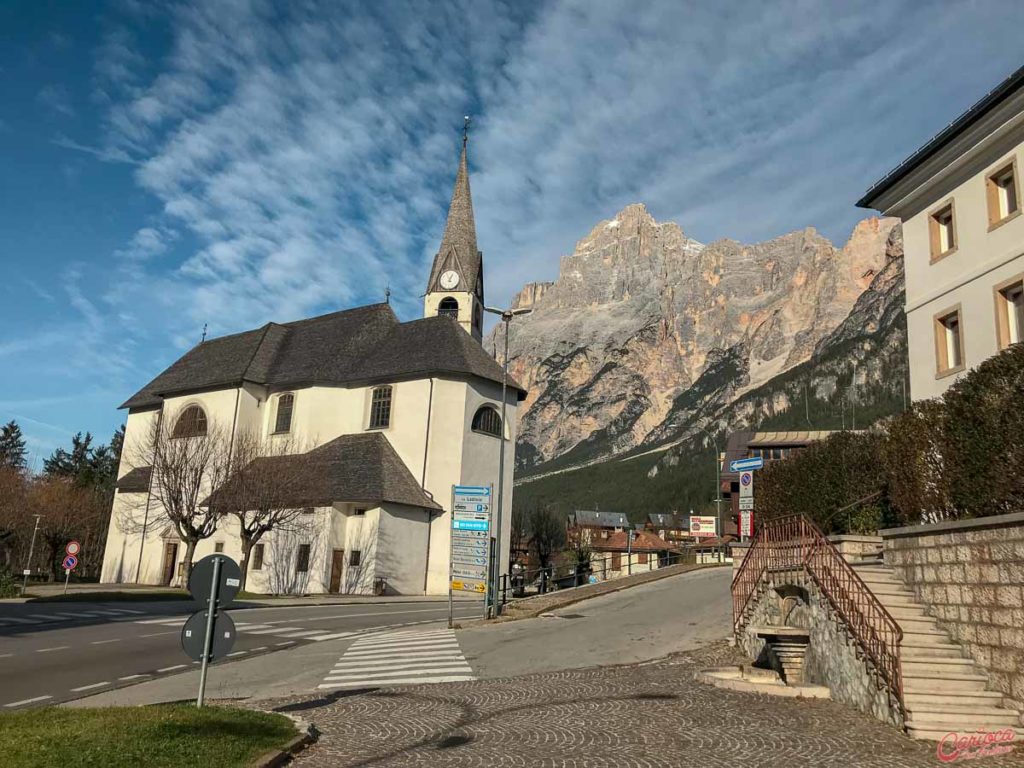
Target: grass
[(163, 735), (140, 596)]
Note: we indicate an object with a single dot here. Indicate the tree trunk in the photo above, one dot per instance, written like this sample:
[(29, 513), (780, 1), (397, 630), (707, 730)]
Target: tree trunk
[(190, 551), (247, 544)]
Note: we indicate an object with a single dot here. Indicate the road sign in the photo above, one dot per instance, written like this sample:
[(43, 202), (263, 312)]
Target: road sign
[(73, 548), (470, 540), (747, 523), (746, 503), (469, 585), (193, 636), (70, 563), (201, 579), (747, 484), (702, 527), (756, 462)]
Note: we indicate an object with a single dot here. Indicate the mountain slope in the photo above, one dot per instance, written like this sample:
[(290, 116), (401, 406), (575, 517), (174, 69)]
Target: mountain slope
[(644, 326)]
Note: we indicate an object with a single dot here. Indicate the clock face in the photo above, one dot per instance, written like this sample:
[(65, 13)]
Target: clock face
[(449, 279)]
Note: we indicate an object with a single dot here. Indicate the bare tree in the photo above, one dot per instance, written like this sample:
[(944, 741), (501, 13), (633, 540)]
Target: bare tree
[(547, 532), (264, 490), (186, 466), (13, 512), (66, 511), (288, 568)]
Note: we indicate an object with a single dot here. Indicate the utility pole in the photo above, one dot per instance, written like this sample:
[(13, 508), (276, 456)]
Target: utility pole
[(495, 571), (853, 393), (31, 549)]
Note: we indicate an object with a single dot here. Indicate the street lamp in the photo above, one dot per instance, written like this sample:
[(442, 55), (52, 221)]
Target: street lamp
[(718, 480), (31, 549), (506, 316)]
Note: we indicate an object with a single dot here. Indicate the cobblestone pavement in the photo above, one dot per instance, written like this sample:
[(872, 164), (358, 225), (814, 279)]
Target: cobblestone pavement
[(652, 714)]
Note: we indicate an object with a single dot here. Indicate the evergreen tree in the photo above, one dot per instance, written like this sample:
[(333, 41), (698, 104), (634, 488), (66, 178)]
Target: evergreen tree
[(12, 446), (76, 463)]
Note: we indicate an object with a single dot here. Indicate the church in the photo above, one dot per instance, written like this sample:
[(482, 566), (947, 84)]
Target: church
[(390, 414)]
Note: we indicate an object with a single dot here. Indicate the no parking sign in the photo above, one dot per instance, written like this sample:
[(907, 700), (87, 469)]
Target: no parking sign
[(70, 563)]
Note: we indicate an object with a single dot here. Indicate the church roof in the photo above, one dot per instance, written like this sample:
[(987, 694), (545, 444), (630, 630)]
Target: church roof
[(458, 249), (351, 347), (353, 468)]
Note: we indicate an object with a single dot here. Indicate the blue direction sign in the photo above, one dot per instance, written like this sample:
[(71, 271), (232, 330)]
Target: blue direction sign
[(757, 462)]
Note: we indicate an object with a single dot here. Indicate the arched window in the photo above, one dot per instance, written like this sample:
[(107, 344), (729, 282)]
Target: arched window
[(487, 420), (191, 423), (448, 307), (380, 408), (283, 418)]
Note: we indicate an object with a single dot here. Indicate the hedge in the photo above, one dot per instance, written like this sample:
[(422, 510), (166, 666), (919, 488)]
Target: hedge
[(954, 457)]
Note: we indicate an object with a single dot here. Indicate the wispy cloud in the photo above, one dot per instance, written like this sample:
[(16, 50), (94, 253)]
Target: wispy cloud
[(56, 99)]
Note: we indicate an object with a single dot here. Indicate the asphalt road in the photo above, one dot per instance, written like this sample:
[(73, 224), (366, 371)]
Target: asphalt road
[(55, 652)]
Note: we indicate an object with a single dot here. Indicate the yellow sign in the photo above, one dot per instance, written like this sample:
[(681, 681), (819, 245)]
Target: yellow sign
[(469, 586)]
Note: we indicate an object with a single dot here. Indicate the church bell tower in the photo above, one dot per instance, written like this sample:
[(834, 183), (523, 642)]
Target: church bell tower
[(456, 284)]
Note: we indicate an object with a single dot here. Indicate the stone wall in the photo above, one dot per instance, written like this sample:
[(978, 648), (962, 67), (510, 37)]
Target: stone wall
[(833, 658), (970, 576)]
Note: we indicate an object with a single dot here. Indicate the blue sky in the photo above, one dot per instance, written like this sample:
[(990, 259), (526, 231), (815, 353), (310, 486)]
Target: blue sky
[(232, 163)]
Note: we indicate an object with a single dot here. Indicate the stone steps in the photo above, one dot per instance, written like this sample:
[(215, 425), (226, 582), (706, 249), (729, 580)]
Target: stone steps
[(940, 682), (965, 702), (928, 732), (938, 666)]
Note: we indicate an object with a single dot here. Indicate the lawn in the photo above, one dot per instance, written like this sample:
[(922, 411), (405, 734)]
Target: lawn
[(164, 735)]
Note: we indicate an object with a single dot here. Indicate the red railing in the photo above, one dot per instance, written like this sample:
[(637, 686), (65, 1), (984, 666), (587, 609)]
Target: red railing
[(796, 543)]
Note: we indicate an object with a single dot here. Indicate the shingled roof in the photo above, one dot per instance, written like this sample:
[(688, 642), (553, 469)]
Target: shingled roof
[(135, 480), (458, 249), (350, 468), (352, 347)]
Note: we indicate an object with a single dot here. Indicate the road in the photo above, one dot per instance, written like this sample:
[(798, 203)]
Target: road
[(55, 652)]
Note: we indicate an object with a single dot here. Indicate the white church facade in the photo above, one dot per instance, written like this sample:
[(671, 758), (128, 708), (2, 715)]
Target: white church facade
[(391, 415)]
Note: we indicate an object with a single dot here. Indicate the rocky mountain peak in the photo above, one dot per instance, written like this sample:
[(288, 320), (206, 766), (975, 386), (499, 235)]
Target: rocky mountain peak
[(639, 311)]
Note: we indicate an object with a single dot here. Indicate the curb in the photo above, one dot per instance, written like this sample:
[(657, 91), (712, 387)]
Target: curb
[(276, 757), (571, 599)]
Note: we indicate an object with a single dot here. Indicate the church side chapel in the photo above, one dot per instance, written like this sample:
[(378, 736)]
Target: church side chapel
[(347, 430)]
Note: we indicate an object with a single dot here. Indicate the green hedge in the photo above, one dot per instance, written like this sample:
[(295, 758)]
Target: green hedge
[(958, 456)]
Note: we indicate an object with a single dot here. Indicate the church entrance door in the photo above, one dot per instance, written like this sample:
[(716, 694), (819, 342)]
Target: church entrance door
[(337, 565), (170, 557)]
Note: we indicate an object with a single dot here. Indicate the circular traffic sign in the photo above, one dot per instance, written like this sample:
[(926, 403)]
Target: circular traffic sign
[(73, 548), (746, 478), (200, 581), (193, 636), (70, 562)]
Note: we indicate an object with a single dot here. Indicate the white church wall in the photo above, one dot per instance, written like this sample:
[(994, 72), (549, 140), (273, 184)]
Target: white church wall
[(361, 535), (402, 548)]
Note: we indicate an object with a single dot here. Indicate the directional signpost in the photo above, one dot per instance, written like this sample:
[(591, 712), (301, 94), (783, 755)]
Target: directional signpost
[(470, 542), (746, 469), (739, 465), (209, 634)]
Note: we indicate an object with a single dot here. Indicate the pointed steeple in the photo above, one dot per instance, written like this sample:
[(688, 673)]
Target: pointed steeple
[(458, 251)]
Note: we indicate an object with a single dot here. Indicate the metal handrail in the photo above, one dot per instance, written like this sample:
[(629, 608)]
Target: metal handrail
[(795, 542)]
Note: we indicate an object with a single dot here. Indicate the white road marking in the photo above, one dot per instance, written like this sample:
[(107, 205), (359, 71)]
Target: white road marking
[(17, 620), (162, 620), (237, 653), (332, 637), (55, 648), (261, 648), (5, 655), (275, 631), (171, 669), (46, 616), (286, 642), (125, 610), (361, 615), (157, 634), (303, 633), (134, 677), (400, 658), (251, 627), (89, 687), (102, 642), (28, 701)]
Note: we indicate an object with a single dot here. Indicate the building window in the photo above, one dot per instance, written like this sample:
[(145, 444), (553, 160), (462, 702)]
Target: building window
[(1001, 192), (218, 547), (487, 420), (949, 342), (257, 557), (1010, 312), (302, 561), (283, 419), (359, 512), (355, 557), (448, 307), (191, 423), (942, 228), (380, 408)]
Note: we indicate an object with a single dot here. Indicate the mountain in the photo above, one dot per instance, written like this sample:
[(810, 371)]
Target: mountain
[(649, 344)]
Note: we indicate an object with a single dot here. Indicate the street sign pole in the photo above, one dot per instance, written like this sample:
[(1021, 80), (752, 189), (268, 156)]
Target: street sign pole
[(208, 640), (451, 550), (67, 578)]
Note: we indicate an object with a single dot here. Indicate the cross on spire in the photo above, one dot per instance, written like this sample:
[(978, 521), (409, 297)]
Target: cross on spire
[(465, 130)]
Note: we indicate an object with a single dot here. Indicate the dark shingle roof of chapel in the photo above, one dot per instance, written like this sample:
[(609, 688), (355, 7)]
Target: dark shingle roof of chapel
[(348, 348)]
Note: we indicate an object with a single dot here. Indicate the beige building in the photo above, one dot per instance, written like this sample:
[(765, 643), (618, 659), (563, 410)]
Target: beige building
[(389, 415), (959, 198)]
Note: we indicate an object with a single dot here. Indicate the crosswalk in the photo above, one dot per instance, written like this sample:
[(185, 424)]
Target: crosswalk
[(400, 658), (30, 619), (253, 628)]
